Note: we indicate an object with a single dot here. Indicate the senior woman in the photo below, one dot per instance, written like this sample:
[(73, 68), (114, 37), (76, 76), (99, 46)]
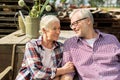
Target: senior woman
[(43, 56)]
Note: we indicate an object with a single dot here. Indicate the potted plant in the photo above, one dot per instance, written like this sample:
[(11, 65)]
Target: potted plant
[(32, 20)]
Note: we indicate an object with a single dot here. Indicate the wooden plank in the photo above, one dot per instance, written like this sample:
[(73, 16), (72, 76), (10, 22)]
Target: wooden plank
[(7, 30), (8, 25), (10, 19), (5, 72), (10, 6), (8, 1), (18, 58), (107, 19), (3, 35), (7, 13), (13, 39), (5, 54)]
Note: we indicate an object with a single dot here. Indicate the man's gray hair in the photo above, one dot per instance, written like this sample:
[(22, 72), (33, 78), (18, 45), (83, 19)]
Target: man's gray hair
[(84, 12)]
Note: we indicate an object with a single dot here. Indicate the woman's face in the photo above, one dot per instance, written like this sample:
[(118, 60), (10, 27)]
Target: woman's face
[(52, 33)]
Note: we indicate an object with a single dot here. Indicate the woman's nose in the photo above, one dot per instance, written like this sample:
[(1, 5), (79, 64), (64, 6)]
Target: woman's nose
[(58, 31)]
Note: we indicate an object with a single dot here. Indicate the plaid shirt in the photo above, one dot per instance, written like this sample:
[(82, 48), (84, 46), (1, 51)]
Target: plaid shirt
[(32, 67)]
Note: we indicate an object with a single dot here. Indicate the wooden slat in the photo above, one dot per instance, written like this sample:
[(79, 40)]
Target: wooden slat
[(10, 6), (5, 72), (7, 30), (107, 19), (2, 35), (8, 19), (8, 25), (7, 13), (5, 54), (8, 1)]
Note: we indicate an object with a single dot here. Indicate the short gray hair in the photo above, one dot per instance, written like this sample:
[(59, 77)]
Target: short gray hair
[(46, 20), (84, 13)]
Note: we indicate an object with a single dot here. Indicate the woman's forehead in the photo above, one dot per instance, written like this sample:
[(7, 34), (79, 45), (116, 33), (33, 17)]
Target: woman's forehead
[(54, 24)]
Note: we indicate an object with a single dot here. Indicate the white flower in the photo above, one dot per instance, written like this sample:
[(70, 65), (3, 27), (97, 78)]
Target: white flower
[(37, 9), (48, 8), (21, 3)]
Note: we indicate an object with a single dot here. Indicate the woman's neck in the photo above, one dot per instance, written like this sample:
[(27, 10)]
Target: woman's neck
[(47, 43)]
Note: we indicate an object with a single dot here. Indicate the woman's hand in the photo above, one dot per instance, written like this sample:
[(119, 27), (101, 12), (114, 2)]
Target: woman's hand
[(57, 78), (67, 68)]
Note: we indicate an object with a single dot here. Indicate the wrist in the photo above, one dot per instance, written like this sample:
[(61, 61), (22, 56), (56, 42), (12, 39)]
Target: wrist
[(63, 70), (60, 71)]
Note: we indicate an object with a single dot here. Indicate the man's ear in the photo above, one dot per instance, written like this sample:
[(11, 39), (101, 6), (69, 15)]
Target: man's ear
[(89, 20)]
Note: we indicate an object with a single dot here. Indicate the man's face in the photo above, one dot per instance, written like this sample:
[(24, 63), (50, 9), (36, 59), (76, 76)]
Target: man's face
[(79, 25)]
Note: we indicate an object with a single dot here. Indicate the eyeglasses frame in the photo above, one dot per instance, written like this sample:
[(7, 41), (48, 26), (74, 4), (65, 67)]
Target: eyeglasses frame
[(76, 22)]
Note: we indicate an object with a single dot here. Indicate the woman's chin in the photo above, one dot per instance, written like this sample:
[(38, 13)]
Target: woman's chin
[(78, 35), (55, 39)]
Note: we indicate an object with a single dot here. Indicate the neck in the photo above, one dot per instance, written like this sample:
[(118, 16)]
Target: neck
[(47, 43), (92, 34)]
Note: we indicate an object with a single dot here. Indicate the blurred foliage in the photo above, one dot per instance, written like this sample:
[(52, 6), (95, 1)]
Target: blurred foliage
[(96, 3)]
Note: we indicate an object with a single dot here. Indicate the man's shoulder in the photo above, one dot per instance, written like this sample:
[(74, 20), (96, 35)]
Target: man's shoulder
[(109, 35), (72, 39)]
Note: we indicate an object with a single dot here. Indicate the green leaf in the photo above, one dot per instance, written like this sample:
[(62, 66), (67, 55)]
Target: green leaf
[(63, 1)]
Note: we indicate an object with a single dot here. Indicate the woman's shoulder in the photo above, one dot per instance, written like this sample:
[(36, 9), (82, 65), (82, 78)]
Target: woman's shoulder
[(59, 43), (34, 42)]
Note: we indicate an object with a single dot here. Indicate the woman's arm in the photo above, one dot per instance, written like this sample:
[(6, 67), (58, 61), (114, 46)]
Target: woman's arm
[(37, 70), (67, 68), (34, 64)]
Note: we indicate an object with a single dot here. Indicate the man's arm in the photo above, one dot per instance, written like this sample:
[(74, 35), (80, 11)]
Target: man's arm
[(66, 58)]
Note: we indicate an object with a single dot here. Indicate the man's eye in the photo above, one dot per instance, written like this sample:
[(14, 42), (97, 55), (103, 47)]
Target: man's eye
[(75, 22)]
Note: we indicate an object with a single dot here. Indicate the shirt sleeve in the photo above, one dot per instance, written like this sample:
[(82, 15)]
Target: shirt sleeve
[(66, 53), (34, 64), (67, 56)]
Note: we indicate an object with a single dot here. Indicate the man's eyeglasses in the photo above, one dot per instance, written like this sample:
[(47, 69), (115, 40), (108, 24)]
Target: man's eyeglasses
[(76, 22)]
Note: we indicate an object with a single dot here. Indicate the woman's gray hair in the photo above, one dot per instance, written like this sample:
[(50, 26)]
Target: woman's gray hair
[(46, 20), (84, 12)]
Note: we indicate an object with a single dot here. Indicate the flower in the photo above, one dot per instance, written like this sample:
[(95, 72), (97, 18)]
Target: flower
[(48, 8), (37, 9), (21, 3)]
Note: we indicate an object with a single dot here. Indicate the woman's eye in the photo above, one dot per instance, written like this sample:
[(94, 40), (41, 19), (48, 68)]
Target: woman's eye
[(55, 28)]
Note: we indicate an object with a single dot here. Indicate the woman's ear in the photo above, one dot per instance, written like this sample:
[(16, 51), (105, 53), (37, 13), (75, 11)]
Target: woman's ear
[(43, 30)]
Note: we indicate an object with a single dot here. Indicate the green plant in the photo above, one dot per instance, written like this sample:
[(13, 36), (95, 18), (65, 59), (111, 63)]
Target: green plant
[(37, 9), (62, 1)]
